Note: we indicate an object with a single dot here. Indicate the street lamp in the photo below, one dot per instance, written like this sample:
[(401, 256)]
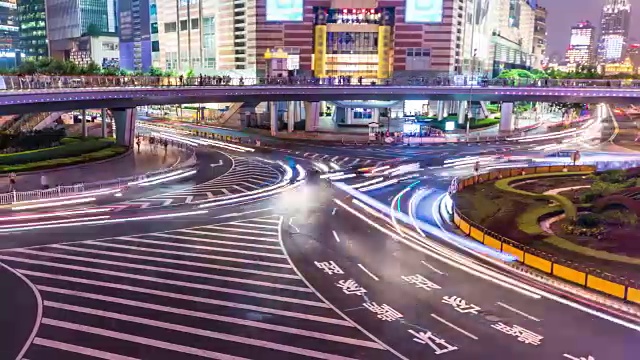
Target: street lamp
[(472, 70)]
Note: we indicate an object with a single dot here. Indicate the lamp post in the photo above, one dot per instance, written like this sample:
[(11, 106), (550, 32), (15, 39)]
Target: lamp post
[(472, 70)]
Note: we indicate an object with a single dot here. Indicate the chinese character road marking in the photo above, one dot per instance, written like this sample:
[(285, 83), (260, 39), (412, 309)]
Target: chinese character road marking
[(433, 341), (579, 358), (351, 287), (524, 335), (460, 304), (384, 311), (420, 282), (329, 267)]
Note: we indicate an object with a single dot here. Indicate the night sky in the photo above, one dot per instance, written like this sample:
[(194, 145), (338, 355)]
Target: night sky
[(565, 13)]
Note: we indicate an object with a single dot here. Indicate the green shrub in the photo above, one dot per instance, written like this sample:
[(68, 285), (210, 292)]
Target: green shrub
[(613, 176), (619, 218), (53, 163), (70, 149), (588, 220)]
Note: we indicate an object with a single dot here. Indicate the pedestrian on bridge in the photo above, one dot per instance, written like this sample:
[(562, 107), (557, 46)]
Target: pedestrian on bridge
[(12, 181)]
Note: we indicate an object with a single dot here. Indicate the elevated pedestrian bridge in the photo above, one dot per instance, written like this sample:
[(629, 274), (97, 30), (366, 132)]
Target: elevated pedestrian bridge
[(60, 95)]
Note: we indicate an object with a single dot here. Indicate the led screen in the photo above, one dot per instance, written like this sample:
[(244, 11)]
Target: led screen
[(285, 10), (423, 11)]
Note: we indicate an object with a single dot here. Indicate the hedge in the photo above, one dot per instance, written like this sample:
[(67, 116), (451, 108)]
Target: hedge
[(53, 163), (70, 147), (566, 204)]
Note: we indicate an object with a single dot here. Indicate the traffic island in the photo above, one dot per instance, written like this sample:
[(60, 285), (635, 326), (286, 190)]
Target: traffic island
[(523, 212)]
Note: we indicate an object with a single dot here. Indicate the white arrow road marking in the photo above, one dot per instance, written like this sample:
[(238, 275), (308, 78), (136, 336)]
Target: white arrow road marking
[(188, 199), (218, 164)]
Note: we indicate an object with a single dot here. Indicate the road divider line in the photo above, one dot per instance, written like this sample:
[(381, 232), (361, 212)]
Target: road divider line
[(368, 272), (335, 235), (517, 311), (432, 268), (453, 326)]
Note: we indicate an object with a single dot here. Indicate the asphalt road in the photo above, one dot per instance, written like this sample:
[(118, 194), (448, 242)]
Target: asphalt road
[(254, 281)]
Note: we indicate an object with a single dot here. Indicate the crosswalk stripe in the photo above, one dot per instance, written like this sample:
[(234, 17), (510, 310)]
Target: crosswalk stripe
[(166, 270), (200, 332), (140, 340), (273, 247), (254, 225), (227, 319), (178, 296), (175, 261), (166, 281), (241, 230), (228, 235), (212, 248), (204, 256), (80, 350), (267, 220)]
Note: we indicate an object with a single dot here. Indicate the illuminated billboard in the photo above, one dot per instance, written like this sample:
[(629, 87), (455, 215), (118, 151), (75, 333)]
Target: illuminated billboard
[(285, 10), (423, 11)]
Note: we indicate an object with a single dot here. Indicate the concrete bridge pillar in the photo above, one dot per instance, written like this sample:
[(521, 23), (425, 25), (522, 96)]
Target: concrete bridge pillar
[(440, 109), (83, 121), (462, 112), (312, 113), (103, 115), (125, 124), (507, 123), (273, 117)]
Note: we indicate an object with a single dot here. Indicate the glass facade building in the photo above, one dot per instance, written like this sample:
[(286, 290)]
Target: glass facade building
[(135, 34), (32, 22), (68, 19)]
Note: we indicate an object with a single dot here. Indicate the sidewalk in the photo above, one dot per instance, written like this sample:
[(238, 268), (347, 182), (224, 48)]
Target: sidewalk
[(132, 164)]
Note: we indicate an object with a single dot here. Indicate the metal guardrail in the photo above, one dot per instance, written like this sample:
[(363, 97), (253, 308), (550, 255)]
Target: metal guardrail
[(61, 191), (591, 278), (43, 82)]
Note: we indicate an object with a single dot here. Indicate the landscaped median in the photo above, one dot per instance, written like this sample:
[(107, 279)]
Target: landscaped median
[(493, 208), (71, 151)]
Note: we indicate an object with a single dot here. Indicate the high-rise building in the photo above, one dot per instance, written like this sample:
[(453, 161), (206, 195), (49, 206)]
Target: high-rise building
[(614, 30), (135, 34), (540, 37), (581, 50), (368, 38), (9, 53), (32, 21), (186, 33), (68, 20)]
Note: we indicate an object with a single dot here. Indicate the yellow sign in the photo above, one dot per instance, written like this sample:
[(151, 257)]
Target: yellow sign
[(384, 51), (277, 54), (320, 51)]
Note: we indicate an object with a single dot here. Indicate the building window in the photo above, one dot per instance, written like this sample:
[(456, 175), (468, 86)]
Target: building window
[(154, 28), (195, 24), (155, 46), (170, 27), (418, 59), (184, 25)]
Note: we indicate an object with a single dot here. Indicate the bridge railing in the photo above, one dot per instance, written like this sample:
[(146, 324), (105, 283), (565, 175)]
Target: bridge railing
[(46, 82)]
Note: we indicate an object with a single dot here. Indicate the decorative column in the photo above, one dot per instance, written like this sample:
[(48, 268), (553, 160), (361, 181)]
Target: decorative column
[(462, 111)]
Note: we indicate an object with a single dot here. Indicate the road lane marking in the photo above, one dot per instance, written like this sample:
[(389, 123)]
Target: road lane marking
[(141, 340), (223, 235), (335, 235), (368, 272), (243, 213), (174, 261), (453, 326), (79, 350), (204, 300), (293, 226), (196, 331), (215, 317), (518, 311), (432, 268), (334, 211), (239, 230)]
